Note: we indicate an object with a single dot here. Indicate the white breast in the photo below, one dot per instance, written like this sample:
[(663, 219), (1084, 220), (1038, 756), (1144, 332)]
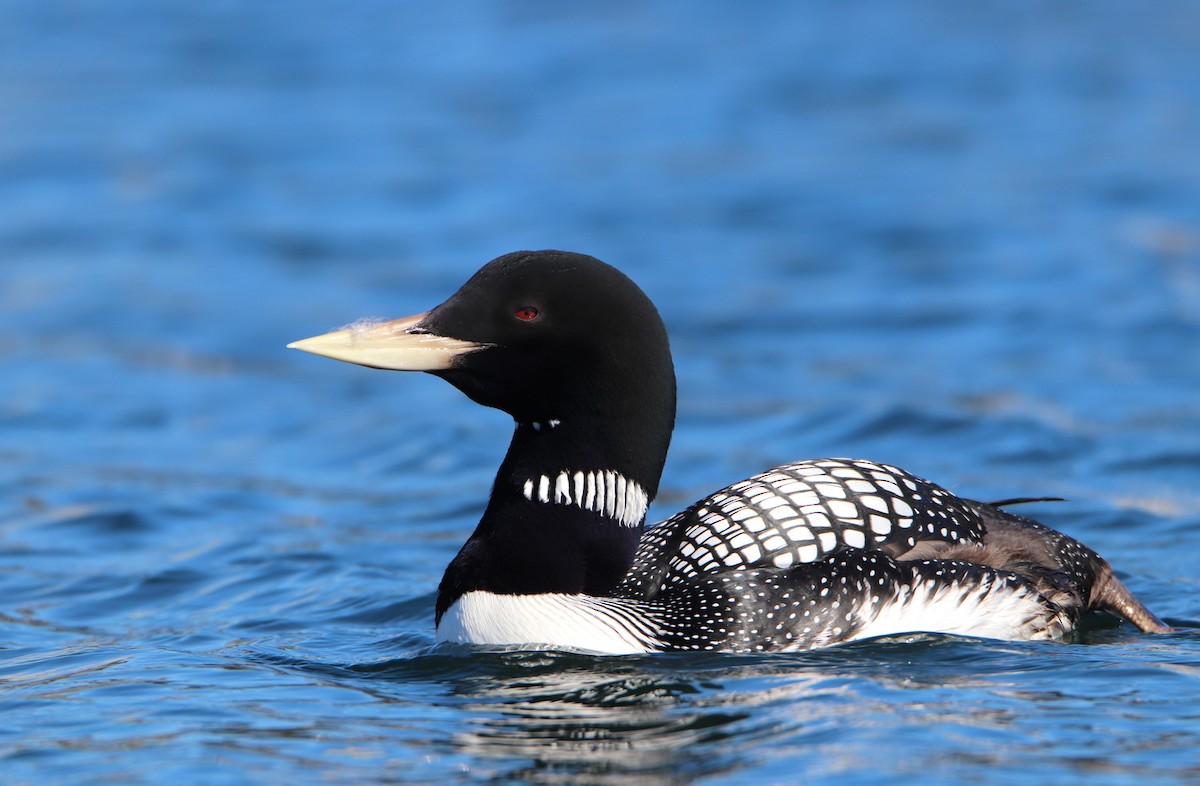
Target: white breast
[(610, 626)]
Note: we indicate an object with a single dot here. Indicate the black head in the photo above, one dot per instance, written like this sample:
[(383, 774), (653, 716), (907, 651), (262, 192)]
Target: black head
[(565, 336)]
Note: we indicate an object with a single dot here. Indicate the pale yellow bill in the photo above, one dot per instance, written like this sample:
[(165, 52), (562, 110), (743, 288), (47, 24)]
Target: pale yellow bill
[(389, 345)]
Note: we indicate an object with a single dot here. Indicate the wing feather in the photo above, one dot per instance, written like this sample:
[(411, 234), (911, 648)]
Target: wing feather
[(799, 513)]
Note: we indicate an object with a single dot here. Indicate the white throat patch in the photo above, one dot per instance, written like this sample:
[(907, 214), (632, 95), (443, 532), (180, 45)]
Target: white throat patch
[(606, 492)]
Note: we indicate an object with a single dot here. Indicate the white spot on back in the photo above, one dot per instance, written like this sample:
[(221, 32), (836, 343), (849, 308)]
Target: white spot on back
[(842, 509), (874, 502), (880, 525)]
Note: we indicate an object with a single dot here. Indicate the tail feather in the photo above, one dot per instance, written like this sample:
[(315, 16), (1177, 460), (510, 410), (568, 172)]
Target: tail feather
[(1003, 503), (1063, 569), (1111, 595)]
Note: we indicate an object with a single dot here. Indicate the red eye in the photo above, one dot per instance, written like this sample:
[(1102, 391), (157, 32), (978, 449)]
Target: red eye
[(526, 313)]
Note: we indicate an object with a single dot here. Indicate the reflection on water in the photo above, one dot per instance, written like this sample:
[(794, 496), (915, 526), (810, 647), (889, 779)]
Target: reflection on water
[(552, 717), (586, 724), (586, 721)]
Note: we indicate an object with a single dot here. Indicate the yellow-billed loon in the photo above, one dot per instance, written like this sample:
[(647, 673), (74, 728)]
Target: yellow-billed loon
[(805, 555)]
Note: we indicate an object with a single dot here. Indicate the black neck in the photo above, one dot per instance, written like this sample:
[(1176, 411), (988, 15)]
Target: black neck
[(533, 537)]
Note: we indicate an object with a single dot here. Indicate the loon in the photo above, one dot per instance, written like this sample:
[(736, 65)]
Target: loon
[(806, 555)]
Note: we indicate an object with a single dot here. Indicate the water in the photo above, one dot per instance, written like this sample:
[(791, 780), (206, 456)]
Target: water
[(964, 239)]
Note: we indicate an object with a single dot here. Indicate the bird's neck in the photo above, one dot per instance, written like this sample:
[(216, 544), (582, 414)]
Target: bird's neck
[(567, 508)]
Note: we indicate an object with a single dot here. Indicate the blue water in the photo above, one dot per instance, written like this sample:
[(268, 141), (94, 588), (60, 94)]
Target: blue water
[(960, 238)]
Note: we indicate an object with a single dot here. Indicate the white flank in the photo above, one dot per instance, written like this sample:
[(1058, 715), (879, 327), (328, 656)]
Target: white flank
[(605, 492), (992, 610), (607, 626)]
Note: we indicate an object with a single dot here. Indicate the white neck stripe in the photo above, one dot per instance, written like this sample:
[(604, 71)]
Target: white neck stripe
[(606, 492)]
